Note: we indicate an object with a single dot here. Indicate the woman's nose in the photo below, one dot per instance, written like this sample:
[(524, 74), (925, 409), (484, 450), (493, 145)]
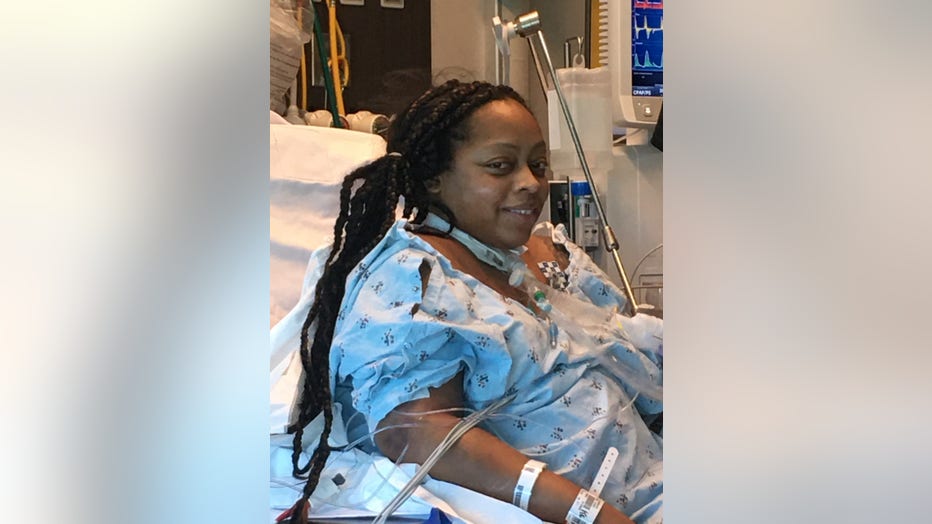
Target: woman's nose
[(527, 180)]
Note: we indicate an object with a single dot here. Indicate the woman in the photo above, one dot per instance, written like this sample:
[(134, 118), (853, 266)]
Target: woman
[(416, 323)]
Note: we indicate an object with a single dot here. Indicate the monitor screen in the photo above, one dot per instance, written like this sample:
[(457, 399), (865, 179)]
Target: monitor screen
[(631, 45), (647, 47)]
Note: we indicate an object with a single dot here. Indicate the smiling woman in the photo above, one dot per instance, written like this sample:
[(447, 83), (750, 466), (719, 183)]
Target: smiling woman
[(497, 184), (464, 304)]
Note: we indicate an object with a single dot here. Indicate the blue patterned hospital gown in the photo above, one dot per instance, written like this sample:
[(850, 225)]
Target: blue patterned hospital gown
[(394, 340)]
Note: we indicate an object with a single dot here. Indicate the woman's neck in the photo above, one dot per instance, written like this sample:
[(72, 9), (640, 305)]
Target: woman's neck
[(506, 260), (465, 261), (505, 271)]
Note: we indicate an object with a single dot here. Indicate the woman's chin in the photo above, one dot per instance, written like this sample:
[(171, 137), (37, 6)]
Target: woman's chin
[(516, 240)]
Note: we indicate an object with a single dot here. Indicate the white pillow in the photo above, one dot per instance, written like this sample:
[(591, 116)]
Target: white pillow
[(306, 167)]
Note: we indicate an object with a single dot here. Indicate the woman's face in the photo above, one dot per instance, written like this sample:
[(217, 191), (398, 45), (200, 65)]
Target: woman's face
[(497, 183)]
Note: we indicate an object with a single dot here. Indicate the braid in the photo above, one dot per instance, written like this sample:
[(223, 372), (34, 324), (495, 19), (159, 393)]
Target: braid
[(424, 137)]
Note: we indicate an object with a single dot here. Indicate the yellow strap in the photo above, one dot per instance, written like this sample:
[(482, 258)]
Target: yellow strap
[(334, 57)]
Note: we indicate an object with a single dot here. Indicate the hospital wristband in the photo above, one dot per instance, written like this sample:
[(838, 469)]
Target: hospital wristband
[(585, 508), (525, 485)]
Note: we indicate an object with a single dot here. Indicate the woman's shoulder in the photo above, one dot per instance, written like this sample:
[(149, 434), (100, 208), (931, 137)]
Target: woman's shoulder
[(542, 248), (398, 241)]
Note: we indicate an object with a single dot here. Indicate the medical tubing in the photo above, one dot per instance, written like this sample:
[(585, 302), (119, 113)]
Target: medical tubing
[(334, 56), (336, 500), (559, 444), (415, 480), (452, 437), (333, 500), (573, 315), (325, 69), (455, 434), (555, 444), (371, 434), (295, 485), (638, 266), (385, 479), (303, 66), (640, 385), (361, 439), (303, 69)]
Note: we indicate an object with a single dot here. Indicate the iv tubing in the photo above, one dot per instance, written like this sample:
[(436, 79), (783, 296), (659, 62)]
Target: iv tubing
[(334, 500), (454, 435)]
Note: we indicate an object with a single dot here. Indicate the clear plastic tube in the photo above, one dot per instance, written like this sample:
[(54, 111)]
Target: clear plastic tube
[(575, 318), (341, 496), (452, 437), (367, 472)]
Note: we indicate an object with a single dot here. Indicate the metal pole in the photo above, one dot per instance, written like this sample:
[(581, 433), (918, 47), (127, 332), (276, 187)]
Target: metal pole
[(611, 243)]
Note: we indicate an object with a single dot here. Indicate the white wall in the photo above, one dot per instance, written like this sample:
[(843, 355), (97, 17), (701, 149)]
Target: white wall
[(463, 45), (633, 204), (559, 20)]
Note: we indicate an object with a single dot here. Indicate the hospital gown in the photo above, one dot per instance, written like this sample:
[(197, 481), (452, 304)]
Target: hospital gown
[(394, 340)]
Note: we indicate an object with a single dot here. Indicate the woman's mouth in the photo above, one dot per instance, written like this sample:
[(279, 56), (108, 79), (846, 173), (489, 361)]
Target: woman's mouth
[(523, 213)]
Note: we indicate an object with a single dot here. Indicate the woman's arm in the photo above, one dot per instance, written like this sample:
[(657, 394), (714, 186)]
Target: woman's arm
[(479, 460)]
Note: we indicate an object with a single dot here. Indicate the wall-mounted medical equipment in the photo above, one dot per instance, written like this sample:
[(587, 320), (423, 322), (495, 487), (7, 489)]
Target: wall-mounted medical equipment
[(528, 26), (585, 218), (571, 204), (631, 44)]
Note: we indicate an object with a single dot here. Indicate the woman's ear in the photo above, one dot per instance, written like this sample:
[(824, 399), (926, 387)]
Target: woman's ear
[(433, 185)]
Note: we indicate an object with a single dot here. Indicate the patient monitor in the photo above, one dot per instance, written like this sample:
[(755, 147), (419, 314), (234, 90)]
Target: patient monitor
[(631, 44)]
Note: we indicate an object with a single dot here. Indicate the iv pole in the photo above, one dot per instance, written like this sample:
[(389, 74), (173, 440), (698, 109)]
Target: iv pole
[(528, 26)]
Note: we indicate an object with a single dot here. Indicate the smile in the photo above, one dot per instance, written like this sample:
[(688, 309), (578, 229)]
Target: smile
[(519, 211)]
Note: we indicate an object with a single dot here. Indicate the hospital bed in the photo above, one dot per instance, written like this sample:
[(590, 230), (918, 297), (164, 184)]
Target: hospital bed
[(307, 165)]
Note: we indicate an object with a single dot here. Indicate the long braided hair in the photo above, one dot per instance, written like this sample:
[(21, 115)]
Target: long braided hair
[(421, 144)]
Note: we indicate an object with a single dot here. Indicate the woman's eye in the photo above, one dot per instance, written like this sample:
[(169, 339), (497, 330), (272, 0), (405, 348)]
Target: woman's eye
[(540, 166), (498, 165)]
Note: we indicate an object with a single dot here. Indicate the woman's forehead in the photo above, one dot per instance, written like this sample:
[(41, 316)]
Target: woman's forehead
[(503, 120)]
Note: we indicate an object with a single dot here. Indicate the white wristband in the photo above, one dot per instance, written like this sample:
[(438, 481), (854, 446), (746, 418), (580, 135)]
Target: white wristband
[(585, 508), (529, 474)]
